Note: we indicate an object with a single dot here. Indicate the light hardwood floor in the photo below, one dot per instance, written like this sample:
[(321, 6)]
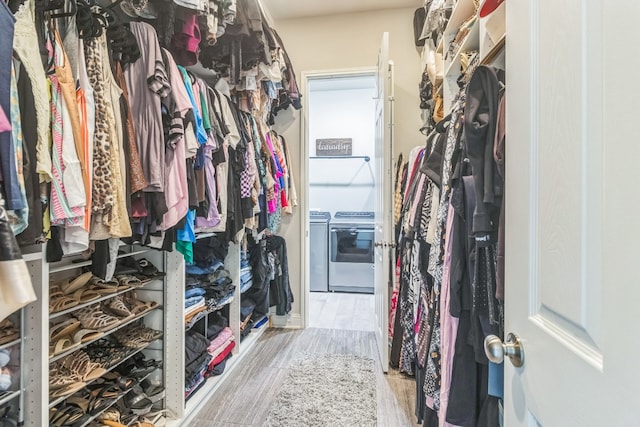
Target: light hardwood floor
[(337, 310), (245, 397)]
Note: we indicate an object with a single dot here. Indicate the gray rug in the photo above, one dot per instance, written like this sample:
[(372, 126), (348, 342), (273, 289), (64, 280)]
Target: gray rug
[(326, 390)]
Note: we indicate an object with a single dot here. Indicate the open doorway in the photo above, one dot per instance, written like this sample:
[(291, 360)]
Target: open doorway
[(342, 200)]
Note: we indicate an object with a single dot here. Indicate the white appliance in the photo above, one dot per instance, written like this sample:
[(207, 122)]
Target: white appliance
[(351, 252)]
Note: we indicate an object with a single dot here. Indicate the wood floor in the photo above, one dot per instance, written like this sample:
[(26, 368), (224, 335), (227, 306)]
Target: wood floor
[(337, 310), (245, 397)]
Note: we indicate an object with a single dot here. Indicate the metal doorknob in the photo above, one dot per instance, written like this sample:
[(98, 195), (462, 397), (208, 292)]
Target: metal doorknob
[(496, 350), (379, 244)]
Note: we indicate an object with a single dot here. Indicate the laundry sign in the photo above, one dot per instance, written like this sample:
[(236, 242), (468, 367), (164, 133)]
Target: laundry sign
[(334, 147)]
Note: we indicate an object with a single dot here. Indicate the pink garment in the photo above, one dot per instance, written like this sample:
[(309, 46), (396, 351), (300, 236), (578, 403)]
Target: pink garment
[(5, 124), (448, 326), (176, 190), (185, 43), (394, 299), (223, 354), (272, 204), (138, 208), (218, 342)]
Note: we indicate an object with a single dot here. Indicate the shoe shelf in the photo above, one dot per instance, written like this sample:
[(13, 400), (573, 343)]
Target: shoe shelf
[(106, 334), (168, 316), (11, 343), (109, 369), (71, 263), (106, 297), (8, 396), (109, 405)]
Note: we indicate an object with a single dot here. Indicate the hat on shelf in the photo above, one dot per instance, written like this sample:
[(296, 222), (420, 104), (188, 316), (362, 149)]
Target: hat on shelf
[(489, 6)]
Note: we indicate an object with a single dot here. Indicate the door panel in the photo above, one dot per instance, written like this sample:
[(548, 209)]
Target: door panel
[(384, 218), (568, 209), (571, 197)]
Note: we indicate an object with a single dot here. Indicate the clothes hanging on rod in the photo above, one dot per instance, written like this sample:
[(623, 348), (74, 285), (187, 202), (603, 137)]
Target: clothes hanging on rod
[(143, 148), (448, 298)]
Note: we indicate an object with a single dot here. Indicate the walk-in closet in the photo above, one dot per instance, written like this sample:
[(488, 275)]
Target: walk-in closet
[(143, 191), (282, 213)]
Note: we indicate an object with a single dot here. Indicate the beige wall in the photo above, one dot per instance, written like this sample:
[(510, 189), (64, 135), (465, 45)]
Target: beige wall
[(342, 42)]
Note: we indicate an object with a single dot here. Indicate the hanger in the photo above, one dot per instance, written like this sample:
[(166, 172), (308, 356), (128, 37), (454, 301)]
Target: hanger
[(59, 4)]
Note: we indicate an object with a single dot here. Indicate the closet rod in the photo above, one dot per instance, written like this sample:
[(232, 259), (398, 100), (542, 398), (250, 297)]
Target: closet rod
[(366, 158)]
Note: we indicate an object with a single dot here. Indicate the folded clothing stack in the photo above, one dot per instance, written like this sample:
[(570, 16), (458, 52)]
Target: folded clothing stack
[(208, 287), (196, 360), (203, 357), (220, 349)]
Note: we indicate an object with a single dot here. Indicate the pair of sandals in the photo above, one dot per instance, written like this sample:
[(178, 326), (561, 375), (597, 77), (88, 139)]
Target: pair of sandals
[(139, 366), (71, 292), (67, 414), (143, 396), (77, 410), (107, 352), (118, 310), (118, 283), (93, 317), (136, 336), (86, 288), (69, 334), (72, 374)]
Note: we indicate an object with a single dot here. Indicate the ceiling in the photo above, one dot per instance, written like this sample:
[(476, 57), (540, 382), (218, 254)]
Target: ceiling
[(287, 9)]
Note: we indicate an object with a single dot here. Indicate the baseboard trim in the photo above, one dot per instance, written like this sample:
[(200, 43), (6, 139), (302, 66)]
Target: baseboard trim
[(291, 321)]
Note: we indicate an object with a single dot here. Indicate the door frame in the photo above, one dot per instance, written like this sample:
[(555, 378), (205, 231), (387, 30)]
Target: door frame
[(306, 76)]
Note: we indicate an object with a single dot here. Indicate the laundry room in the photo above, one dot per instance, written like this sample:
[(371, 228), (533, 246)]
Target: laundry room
[(342, 196)]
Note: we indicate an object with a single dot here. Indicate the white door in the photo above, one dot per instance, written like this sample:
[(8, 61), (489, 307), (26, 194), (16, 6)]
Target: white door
[(573, 199), (384, 252)]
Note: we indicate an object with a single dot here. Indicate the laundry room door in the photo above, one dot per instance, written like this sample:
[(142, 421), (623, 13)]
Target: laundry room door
[(572, 201), (384, 252)]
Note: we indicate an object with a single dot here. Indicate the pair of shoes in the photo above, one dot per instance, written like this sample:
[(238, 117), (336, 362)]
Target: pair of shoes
[(106, 352), (138, 307), (62, 384), (67, 415), (80, 365), (136, 336), (138, 366), (117, 307), (68, 334), (94, 318), (72, 292), (60, 336)]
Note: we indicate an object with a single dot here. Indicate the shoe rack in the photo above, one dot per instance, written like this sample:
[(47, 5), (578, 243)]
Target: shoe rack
[(12, 371), (36, 357), (32, 347)]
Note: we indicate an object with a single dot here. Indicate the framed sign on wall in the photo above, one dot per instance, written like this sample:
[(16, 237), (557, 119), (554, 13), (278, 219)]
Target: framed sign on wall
[(334, 147)]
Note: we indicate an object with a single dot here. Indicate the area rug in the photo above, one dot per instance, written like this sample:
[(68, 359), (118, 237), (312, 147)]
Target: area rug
[(326, 390)]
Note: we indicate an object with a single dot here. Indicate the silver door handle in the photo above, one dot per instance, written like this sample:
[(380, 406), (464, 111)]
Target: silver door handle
[(496, 350), (379, 244)]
